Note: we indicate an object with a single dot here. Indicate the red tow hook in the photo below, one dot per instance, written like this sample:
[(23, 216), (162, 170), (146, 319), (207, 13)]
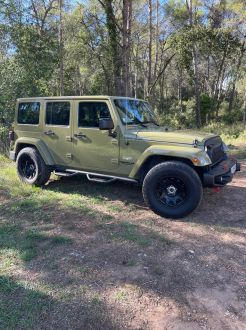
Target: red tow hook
[(216, 189)]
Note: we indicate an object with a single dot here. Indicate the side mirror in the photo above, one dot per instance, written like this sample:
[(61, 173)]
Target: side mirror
[(106, 124)]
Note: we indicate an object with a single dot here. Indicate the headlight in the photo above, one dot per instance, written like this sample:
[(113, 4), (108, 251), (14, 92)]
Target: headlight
[(224, 147), (201, 159)]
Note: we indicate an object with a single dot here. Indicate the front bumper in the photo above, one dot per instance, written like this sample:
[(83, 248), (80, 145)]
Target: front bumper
[(221, 174)]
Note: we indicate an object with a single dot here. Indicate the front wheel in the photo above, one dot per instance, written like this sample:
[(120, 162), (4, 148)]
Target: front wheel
[(172, 189)]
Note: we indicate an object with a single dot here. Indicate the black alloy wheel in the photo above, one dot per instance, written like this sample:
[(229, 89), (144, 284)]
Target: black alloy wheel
[(27, 167), (31, 167), (172, 189)]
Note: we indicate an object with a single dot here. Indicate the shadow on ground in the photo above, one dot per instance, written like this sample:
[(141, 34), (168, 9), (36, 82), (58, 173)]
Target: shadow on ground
[(72, 266), (229, 201)]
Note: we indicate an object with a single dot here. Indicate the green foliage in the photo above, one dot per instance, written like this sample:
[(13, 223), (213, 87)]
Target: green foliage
[(4, 140), (209, 41), (206, 107), (93, 56)]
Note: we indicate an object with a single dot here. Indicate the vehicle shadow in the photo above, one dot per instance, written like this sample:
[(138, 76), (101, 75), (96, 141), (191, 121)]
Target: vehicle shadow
[(225, 208)]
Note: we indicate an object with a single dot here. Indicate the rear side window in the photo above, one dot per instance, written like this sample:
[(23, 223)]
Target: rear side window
[(90, 113), (28, 113), (57, 113)]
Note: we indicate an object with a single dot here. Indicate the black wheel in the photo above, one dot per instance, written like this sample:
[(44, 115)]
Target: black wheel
[(172, 189), (31, 167)]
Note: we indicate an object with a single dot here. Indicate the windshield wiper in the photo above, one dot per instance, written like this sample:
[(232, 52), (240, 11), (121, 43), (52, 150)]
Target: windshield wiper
[(139, 122), (151, 122)]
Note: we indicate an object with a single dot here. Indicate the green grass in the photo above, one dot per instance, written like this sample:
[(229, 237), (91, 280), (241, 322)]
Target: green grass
[(121, 296), (15, 237), (238, 152), (20, 307), (57, 240), (126, 231), (83, 270), (38, 270)]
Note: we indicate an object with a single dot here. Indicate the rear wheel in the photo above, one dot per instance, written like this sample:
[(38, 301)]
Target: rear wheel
[(172, 189), (31, 167)]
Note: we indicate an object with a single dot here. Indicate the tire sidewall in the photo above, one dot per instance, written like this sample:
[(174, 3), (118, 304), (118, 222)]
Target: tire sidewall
[(192, 184), (31, 154)]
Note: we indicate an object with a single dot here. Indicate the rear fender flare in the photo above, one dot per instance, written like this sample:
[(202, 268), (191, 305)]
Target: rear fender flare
[(39, 145)]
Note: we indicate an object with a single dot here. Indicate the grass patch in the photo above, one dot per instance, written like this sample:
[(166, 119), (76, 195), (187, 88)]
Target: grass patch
[(24, 311), (26, 236), (238, 152), (36, 236), (28, 254), (131, 263), (121, 296), (96, 300), (83, 270), (127, 231), (58, 240), (233, 135)]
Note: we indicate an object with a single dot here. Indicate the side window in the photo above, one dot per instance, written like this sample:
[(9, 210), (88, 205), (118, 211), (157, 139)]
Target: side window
[(57, 113), (28, 113), (90, 112)]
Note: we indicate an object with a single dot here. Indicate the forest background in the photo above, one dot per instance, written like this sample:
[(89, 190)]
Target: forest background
[(186, 57)]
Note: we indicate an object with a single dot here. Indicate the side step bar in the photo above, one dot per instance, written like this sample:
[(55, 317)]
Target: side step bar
[(64, 173), (100, 179), (96, 177)]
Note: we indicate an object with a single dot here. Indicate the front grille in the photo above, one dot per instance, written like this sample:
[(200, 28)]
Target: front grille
[(215, 149)]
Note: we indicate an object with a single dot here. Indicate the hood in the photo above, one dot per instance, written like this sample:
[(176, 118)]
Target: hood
[(179, 136)]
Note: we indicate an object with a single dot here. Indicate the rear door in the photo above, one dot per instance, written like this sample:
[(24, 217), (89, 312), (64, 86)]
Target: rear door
[(93, 149), (57, 130)]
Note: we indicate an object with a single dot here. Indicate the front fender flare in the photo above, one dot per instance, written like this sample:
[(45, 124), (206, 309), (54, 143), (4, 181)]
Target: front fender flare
[(175, 152)]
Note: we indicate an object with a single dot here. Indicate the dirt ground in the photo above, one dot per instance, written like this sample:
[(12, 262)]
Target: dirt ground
[(136, 270)]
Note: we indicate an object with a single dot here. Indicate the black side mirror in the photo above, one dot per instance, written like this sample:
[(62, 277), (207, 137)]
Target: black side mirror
[(106, 124)]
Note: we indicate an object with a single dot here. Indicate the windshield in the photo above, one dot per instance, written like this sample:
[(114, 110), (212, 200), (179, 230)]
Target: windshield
[(134, 112)]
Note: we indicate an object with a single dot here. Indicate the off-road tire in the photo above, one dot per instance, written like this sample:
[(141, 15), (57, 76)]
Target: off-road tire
[(191, 187), (42, 171)]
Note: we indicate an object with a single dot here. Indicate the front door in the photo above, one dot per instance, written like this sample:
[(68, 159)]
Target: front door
[(57, 134), (93, 149)]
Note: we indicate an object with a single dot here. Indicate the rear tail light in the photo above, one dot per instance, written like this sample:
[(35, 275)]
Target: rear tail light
[(11, 135)]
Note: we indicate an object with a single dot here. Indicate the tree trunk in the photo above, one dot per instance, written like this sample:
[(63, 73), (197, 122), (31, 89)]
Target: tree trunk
[(244, 110), (114, 45), (150, 44), (127, 22), (180, 86), (232, 93), (156, 39), (197, 89), (61, 49), (189, 6), (219, 81)]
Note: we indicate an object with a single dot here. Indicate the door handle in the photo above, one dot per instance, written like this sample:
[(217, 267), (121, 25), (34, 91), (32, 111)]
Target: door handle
[(80, 135), (49, 133)]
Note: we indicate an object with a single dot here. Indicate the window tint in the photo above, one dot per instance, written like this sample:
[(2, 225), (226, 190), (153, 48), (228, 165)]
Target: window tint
[(57, 113), (90, 112), (28, 113)]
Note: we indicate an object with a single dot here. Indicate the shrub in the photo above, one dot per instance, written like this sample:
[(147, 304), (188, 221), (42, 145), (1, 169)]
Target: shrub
[(4, 139)]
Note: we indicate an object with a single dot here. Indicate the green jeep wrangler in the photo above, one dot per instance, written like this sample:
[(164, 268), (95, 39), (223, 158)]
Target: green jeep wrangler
[(115, 138)]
